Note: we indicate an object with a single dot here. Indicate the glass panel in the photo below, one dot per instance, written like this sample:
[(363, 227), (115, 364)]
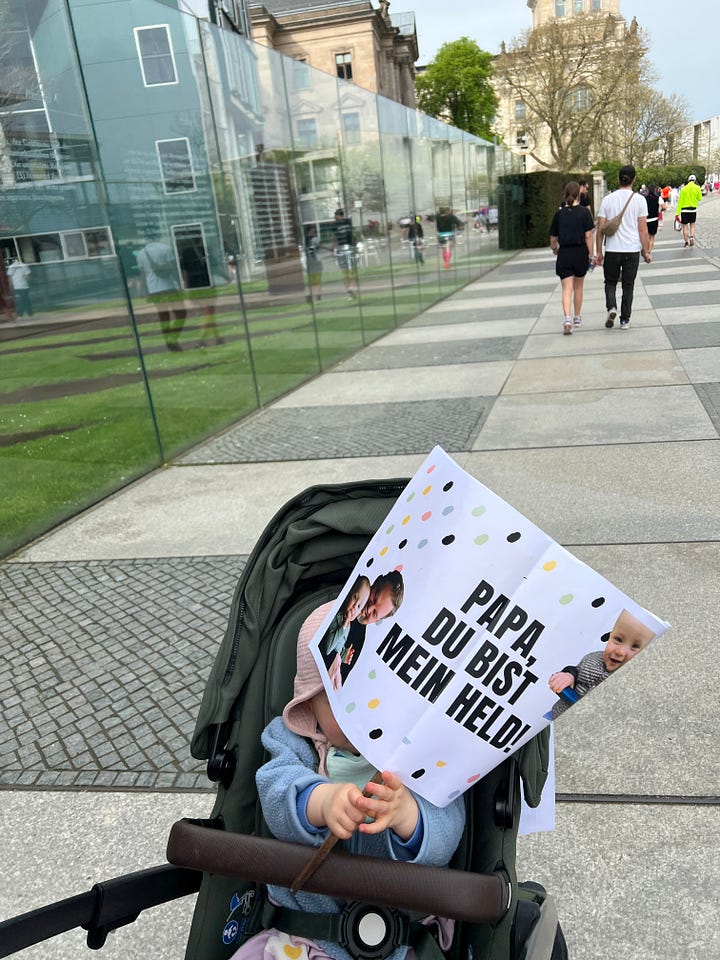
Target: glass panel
[(364, 200), (75, 421), (210, 272)]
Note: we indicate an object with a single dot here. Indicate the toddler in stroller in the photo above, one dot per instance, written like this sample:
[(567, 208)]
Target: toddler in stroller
[(304, 559), (316, 782)]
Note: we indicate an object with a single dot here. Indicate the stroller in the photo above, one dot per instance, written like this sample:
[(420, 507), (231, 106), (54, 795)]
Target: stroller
[(302, 560)]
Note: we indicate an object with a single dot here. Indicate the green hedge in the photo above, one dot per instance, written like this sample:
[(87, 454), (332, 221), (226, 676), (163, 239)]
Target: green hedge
[(540, 194), (673, 175)]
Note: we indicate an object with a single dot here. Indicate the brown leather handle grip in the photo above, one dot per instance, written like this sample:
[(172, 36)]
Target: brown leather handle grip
[(478, 898)]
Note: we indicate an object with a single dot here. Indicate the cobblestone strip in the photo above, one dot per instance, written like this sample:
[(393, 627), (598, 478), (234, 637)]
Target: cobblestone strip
[(350, 430), (104, 666)]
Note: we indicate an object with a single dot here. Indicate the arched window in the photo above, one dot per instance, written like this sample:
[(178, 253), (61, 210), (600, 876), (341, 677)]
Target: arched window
[(559, 8), (578, 6)]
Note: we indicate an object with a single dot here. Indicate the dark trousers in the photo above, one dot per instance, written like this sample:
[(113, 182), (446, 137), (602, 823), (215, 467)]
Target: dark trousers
[(622, 267)]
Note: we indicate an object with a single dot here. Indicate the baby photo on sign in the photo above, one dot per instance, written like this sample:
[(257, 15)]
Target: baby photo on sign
[(627, 638)]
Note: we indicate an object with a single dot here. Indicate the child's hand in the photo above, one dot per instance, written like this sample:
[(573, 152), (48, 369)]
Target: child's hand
[(391, 806), (334, 805), (334, 672), (558, 681)]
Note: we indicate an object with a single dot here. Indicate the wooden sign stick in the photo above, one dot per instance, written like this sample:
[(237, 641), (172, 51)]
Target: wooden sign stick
[(322, 851)]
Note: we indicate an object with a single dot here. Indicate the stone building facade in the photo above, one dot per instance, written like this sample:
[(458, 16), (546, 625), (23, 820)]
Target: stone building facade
[(350, 39), (512, 117)]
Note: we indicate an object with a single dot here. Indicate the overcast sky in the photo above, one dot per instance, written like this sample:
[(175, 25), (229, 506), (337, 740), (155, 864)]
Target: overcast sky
[(684, 38)]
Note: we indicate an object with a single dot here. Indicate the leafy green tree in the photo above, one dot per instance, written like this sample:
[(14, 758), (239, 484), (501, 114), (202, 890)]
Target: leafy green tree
[(456, 87)]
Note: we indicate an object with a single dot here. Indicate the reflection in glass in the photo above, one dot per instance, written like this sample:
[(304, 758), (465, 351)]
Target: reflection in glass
[(207, 270)]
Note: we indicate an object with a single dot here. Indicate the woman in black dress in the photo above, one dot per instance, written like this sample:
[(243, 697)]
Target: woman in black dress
[(571, 240)]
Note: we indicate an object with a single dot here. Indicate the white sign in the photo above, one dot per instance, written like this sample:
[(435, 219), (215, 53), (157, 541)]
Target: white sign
[(471, 664)]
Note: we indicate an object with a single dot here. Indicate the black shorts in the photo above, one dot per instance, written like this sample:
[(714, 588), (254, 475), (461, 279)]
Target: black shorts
[(688, 215), (652, 226), (572, 262)]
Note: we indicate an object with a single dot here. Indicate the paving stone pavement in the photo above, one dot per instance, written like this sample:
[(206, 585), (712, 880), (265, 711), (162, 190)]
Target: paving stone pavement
[(109, 665), (611, 437)]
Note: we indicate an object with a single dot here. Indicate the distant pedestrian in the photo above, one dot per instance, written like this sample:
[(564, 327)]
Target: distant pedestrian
[(415, 235), (654, 202), (623, 247), (687, 203), (159, 268), (571, 240), (584, 198), (344, 250), (313, 263), (19, 274)]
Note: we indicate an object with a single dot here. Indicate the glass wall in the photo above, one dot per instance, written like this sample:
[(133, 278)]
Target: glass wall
[(192, 225)]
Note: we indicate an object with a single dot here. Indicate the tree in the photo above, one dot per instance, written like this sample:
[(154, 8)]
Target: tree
[(573, 82), (654, 129), (456, 88)]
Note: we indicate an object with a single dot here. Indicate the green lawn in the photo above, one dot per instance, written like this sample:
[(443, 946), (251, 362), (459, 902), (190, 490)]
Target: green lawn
[(76, 422)]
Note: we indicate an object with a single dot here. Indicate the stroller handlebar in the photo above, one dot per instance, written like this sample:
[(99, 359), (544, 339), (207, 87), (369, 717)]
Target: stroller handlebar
[(456, 894)]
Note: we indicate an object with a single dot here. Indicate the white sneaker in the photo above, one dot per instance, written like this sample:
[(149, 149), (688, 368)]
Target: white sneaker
[(567, 326), (577, 322)]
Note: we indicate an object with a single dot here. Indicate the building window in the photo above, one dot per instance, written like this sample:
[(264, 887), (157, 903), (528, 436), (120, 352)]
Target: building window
[(521, 139), (597, 4), (300, 75), (580, 99), (578, 6), (559, 8), (351, 127), (307, 132), (68, 245), (343, 65), (520, 110), (175, 165), (156, 55)]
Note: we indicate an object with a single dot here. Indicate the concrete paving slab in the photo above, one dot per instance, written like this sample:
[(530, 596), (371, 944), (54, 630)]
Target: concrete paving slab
[(495, 287), (685, 335), (653, 368), (473, 299), (702, 365), (680, 285), (594, 315), (587, 495), (199, 511), (385, 356), (662, 272), (594, 338), (447, 333), (690, 314), (478, 312), (709, 395), (595, 416), (56, 845), (631, 881), (664, 703), (450, 380)]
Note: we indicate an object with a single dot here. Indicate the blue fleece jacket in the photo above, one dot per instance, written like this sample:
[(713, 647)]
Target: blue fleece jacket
[(290, 771)]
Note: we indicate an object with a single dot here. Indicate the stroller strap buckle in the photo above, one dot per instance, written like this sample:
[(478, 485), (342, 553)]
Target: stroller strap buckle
[(366, 931)]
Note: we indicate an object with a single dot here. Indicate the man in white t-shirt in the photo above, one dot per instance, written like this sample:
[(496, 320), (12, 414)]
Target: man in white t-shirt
[(622, 249)]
